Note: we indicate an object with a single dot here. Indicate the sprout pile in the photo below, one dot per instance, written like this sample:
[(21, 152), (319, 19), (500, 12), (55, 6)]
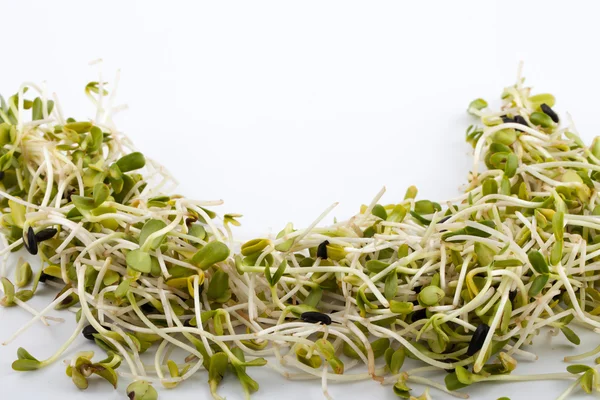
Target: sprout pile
[(462, 285)]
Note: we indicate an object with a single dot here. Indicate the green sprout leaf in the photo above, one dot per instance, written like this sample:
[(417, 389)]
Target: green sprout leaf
[(578, 368), (79, 127), (23, 274), (286, 245), (538, 284), (216, 371), (151, 226), (9, 293), (570, 335), (210, 254), (477, 105), (101, 193), (379, 211), (588, 381), (131, 162), (218, 287), (254, 246), (83, 203), (391, 286), (401, 307), (274, 279), (139, 260), (538, 262), (25, 361)]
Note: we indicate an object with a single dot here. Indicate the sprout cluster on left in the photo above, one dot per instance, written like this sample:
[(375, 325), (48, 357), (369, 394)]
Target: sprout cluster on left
[(77, 194)]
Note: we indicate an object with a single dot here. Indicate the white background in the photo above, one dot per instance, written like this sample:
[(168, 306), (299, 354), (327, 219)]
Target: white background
[(282, 108)]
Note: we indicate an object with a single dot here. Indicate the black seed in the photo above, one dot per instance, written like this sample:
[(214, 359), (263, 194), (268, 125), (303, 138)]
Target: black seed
[(67, 300), (45, 277), (322, 249), (451, 360), (190, 220), (507, 120), (31, 242), (549, 112), (291, 301), (1, 175), (446, 218), (315, 317), (520, 120), (477, 339), (68, 194), (512, 295), (45, 234), (556, 297), (88, 332), (148, 308), (419, 315)]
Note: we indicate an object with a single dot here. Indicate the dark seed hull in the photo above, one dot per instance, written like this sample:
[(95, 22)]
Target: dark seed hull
[(88, 332), (45, 234), (322, 250), (31, 243), (314, 317), (549, 112), (477, 339)]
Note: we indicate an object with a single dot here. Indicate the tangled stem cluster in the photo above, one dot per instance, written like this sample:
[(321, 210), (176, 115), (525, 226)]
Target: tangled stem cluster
[(462, 285)]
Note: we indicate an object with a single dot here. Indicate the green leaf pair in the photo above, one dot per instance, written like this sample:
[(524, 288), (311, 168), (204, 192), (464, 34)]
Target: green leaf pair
[(539, 264), (218, 287), (25, 361), (175, 373), (327, 351), (216, 371), (249, 385)]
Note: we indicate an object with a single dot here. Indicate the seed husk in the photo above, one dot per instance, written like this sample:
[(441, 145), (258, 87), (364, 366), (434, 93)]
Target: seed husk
[(314, 317), (88, 332), (322, 249), (45, 234), (419, 315), (549, 112), (477, 339), (31, 242), (520, 120)]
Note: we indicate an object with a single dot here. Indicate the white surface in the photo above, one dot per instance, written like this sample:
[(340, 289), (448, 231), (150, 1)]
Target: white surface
[(283, 108)]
